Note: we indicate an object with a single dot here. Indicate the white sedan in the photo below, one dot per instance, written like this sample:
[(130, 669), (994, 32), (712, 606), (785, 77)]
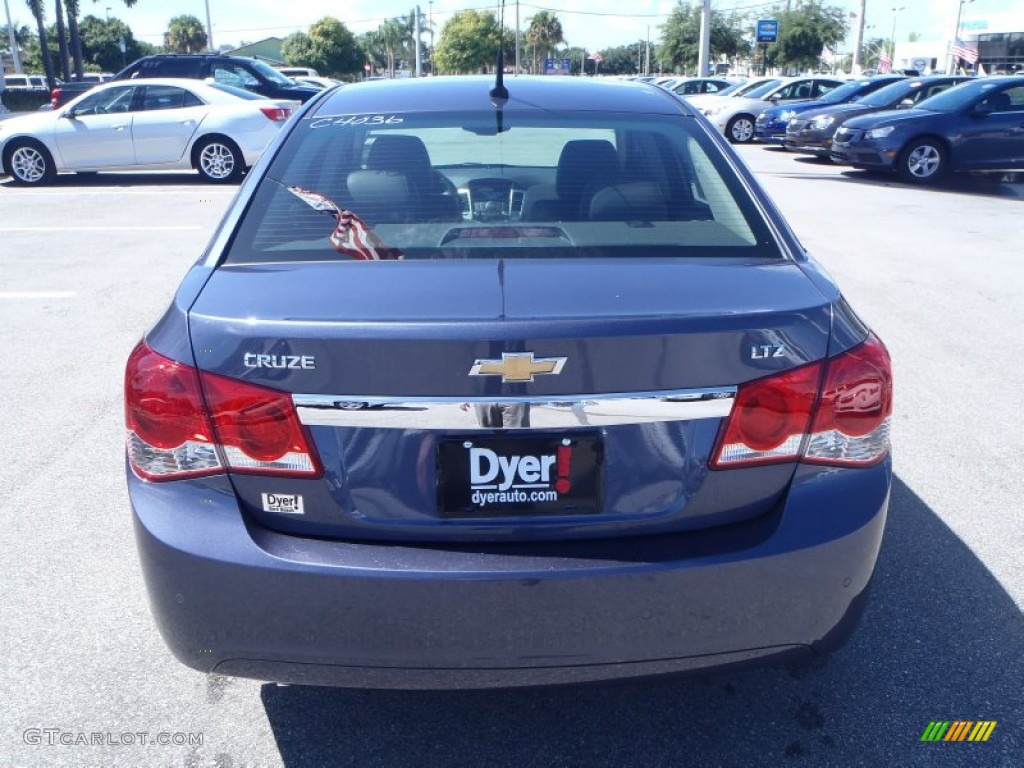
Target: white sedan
[(144, 124)]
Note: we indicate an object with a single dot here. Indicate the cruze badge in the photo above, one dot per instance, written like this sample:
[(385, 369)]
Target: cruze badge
[(517, 366), (252, 360)]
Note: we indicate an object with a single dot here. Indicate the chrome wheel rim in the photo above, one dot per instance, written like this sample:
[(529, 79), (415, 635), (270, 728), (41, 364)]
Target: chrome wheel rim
[(217, 161), (742, 130), (923, 161), (28, 164)]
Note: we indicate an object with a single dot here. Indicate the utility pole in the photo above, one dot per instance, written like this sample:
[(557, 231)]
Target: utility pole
[(14, 41), (416, 42), (209, 29), (517, 37), (647, 55), (858, 42), (704, 52)]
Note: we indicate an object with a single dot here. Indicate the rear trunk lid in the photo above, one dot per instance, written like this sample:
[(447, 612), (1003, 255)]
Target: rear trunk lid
[(413, 379)]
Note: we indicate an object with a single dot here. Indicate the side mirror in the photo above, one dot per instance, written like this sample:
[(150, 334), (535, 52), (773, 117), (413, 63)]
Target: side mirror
[(906, 104), (775, 97), (68, 114), (981, 109)]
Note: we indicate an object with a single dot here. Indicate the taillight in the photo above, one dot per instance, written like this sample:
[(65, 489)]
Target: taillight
[(851, 424), (175, 432), (169, 433), (778, 419), (258, 429), (277, 114), (769, 419), (55, 97)]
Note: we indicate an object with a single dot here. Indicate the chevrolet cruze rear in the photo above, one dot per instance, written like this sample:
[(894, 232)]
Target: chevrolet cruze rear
[(480, 392)]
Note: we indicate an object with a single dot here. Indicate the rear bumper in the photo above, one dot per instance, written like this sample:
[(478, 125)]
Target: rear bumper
[(236, 599)]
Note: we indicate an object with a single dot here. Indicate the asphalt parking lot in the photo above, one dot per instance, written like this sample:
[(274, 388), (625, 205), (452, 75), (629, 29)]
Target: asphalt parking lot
[(87, 265)]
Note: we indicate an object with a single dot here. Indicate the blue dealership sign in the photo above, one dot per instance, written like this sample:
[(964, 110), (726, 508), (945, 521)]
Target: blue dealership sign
[(556, 66), (767, 31)]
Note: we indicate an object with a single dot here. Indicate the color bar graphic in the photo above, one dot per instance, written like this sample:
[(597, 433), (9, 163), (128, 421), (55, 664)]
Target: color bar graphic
[(958, 730)]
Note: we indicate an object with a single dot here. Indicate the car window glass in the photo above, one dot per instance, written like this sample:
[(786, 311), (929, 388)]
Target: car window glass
[(178, 68), (107, 101), (191, 100), (452, 186), (233, 74), (821, 88), (163, 97)]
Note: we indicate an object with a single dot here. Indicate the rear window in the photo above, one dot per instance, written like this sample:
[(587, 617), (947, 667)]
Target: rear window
[(484, 185)]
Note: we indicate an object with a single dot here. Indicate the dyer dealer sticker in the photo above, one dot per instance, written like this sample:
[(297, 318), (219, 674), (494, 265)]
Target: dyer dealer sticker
[(509, 476)]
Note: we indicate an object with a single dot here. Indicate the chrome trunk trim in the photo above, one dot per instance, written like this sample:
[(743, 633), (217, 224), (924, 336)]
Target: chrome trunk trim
[(567, 411)]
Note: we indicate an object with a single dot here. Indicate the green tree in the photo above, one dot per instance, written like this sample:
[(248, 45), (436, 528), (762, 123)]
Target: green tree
[(100, 49), (544, 34), (622, 59), (803, 31), (679, 49), (329, 48), (185, 34), (469, 42)]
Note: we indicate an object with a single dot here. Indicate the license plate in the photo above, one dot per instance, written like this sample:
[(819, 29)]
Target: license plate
[(513, 476)]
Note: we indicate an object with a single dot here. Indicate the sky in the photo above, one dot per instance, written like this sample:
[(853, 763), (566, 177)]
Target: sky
[(591, 24)]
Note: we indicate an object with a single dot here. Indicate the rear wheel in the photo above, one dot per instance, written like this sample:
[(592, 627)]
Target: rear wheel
[(29, 163), (922, 161), (219, 160), (740, 130)]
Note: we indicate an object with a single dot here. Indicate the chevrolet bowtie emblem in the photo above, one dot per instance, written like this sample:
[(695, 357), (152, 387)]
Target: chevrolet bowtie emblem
[(517, 366)]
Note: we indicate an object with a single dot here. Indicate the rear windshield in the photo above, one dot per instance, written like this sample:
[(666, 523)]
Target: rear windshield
[(499, 185)]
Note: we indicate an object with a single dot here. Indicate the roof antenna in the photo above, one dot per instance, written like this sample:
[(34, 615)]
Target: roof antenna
[(499, 93)]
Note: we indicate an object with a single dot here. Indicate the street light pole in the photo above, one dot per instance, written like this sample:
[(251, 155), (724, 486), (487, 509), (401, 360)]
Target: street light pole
[(892, 53)]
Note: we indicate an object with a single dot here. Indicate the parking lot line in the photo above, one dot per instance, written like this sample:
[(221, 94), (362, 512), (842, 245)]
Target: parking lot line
[(37, 294)]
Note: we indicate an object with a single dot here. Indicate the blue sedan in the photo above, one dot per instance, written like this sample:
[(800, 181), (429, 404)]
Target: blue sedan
[(770, 126), (478, 387), (974, 126)]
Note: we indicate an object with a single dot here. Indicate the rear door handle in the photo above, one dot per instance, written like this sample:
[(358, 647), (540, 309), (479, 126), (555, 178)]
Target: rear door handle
[(119, 127)]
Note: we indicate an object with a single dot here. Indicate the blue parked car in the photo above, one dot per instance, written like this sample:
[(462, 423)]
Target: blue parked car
[(974, 126), (770, 126), (619, 422)]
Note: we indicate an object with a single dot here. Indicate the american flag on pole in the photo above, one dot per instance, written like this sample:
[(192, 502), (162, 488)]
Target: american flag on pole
[(884, 63), (966, 51)]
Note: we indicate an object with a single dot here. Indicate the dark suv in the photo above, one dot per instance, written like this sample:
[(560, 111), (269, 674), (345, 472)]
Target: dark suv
[(250, 74)]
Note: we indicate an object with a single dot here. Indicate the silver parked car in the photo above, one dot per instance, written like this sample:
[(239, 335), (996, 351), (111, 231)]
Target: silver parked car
[(144, 124)]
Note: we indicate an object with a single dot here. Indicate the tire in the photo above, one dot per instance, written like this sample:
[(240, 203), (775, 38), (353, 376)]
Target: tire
[(218, 160), (740, 130), (922, 161), (29, 163)]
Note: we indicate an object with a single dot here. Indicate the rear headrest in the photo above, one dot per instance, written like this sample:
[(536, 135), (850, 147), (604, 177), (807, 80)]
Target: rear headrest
[(402, 154), (638, 201), (585, 163)]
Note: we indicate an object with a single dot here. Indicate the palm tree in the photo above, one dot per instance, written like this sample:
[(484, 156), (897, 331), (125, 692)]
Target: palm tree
[(71, 6), (39, 13), (544, 34), (391, 35), (62, 43)]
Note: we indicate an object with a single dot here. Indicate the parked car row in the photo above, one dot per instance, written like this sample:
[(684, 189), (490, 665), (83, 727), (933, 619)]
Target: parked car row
[(921, 128)]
